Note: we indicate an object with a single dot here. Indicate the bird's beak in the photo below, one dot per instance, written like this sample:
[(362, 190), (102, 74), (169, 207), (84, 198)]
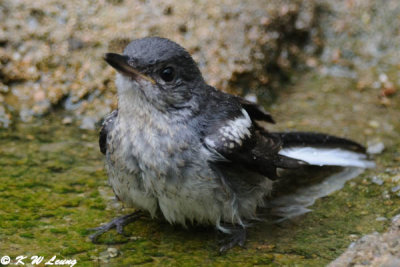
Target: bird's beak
[(120, 63)]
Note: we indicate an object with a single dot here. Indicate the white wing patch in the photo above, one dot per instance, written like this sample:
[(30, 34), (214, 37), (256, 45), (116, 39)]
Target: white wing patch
[(328, 156), (233, 133)]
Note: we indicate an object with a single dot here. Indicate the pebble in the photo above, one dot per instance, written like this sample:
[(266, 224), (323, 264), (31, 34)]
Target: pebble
[(375, 148), (377, 181), (67, 120), (112, 252), (383, 78), (388, 91), (374, 124), (39, 96), (290, 124), (396, 178), (353, 237), (386, 195), (395, 189)]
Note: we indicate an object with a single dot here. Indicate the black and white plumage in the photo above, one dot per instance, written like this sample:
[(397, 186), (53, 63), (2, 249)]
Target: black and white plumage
[(182, 148)]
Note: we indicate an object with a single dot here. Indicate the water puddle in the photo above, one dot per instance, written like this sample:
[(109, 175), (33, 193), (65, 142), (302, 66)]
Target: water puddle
[(297, 203)]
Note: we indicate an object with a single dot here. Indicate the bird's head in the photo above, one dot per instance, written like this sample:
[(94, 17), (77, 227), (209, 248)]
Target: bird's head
[(160, 71)]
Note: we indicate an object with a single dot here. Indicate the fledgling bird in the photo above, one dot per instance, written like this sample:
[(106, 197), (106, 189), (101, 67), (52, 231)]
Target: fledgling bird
[(181, 148)]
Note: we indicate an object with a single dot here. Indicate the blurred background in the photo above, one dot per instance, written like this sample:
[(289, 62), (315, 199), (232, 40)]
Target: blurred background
[(51, 51), (329, 66)]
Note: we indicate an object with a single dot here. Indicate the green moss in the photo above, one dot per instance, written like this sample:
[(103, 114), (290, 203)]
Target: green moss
[(59, 230), (26, 235)]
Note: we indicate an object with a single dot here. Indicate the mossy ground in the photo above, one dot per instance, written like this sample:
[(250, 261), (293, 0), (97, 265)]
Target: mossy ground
[(53, 188)]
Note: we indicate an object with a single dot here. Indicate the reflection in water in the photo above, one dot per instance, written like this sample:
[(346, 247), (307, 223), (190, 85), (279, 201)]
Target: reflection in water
[(295, 203)]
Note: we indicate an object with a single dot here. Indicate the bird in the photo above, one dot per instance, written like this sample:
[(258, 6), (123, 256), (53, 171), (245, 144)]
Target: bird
[(181, 149)]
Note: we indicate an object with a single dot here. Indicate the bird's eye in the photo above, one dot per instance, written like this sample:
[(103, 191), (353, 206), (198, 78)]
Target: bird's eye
[(167, 74)]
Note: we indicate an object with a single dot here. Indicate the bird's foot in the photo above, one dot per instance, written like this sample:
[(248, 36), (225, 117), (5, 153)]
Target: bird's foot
[(117, 223), (236, 237)]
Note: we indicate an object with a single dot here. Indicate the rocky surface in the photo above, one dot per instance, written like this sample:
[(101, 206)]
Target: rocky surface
[(374, 249), (51, 51), (361, 42)]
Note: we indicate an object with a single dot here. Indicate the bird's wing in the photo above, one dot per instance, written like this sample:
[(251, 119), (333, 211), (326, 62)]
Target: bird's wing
[(256, 112), (324, 150), (106, 126), (231, 134), (236, 139)]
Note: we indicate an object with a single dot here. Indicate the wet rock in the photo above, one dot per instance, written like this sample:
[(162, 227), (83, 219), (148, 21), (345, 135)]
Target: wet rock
[(59, 45), (374, 249), (362, 43)]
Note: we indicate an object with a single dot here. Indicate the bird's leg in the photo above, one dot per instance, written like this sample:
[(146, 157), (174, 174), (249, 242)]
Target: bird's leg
[(117, 223), (237, 236)]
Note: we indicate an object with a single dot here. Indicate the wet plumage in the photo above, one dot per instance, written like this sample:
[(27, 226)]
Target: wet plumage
[(181, 148)]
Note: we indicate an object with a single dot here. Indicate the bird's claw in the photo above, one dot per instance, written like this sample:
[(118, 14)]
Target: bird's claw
[(117, 223), (237, 237)]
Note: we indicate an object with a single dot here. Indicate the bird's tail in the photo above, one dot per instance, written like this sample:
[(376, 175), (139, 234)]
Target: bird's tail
[(323, 150)]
